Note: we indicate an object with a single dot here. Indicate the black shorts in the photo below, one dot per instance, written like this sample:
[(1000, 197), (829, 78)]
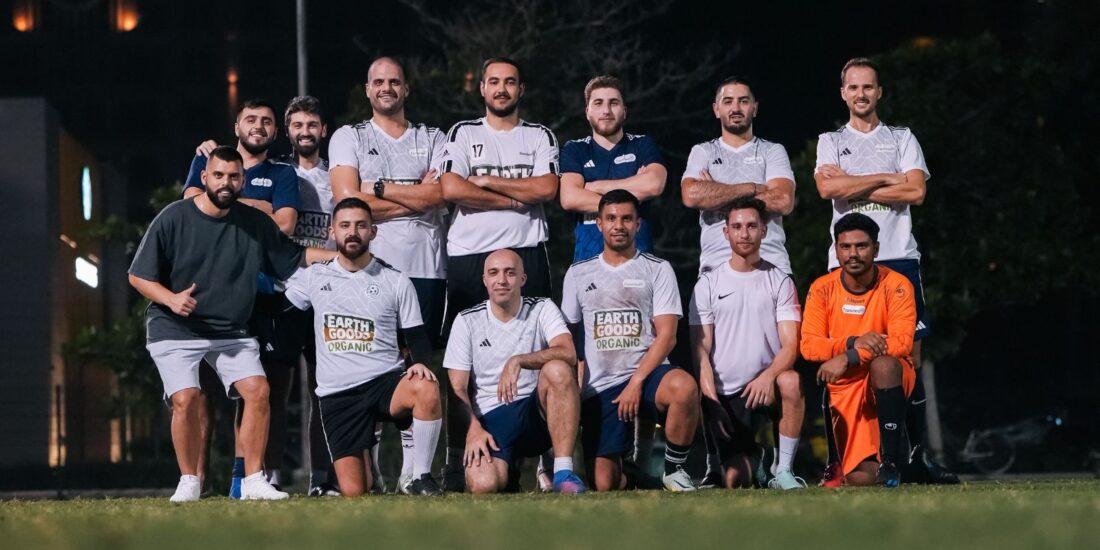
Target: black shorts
[(465, 288), (911, 269), (743, 438), (351, 416), (432, 296), (283, 331)]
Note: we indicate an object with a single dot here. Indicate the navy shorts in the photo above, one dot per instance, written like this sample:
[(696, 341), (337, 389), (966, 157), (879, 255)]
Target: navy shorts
[(518, 428), (602, 433), (432, 295), (911, 269)]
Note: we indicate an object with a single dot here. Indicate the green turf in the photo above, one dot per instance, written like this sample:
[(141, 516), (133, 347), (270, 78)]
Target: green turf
[(1002, 516)]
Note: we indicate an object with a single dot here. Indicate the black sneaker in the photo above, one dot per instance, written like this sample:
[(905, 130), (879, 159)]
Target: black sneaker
[(938, 475), (713, 480), (324, 490), (425, 486), (888, 475), (453, 482), (638, 479)]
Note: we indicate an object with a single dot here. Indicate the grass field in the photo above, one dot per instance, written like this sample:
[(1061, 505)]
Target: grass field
[(999, 515)]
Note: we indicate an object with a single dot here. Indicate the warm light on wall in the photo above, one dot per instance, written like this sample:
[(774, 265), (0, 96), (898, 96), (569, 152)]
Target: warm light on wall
[(124, 15), (24, 15)]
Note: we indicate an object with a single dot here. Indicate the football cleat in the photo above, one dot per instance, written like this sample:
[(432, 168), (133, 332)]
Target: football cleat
[(188, 490), (324, 490), (888, 475), (425, 485), (832, 477), (260, 489), (786, 480), (235, 487), (713, 480), (567, 483), (678, 481), (454, 481)]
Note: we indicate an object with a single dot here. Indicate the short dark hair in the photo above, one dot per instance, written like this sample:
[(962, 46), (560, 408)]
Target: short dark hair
[(744, 202), (619, 196), (856, 222), (350, 203), (736, 79), (600, 82), (227, 153), (506, 60), (303, 104), (859, 62), (257, 103)]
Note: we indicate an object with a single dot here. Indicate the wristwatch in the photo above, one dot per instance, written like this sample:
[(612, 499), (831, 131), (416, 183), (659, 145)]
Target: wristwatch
[(379, 188)]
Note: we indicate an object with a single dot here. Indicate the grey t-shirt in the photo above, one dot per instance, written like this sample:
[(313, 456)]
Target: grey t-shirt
[(222, 256)]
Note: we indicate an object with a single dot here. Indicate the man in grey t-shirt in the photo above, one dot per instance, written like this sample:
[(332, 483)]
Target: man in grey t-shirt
[(198, 265)]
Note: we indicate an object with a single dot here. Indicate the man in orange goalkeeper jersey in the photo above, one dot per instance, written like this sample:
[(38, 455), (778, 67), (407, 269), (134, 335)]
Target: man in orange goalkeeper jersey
[(859, 321)]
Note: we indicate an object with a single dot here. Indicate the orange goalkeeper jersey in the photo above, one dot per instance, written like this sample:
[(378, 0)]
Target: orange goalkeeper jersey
[(833, 314)]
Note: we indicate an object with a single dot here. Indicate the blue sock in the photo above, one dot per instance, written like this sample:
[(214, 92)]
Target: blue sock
[(238, 475)]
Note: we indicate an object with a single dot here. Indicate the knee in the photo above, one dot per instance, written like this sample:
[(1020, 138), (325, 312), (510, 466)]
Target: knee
[(186, 400), (790, 385), (254, 390), (481, 480), (885, 371), (682, 387), (426, 393), (558, 375), (351, 489)]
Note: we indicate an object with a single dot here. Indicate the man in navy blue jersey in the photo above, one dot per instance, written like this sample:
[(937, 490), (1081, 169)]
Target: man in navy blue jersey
[(608, 159)]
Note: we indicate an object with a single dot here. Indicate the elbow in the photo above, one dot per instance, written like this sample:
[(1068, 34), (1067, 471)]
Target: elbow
[(918, 198), (133, 280), (783, 205), (687, 195)]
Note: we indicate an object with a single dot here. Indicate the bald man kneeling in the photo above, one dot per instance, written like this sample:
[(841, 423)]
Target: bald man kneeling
[(525, 396)]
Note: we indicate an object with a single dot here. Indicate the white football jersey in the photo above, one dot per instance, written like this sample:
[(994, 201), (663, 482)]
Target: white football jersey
[(315, 215), (884, 150), (356, 318), (475, 149), (482, 344), (617, 306), (745, 309), (757, 161), (412, 244)]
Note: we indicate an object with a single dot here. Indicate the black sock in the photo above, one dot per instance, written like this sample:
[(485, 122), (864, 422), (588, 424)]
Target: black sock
[(890, 404), (916, 425), (675, 456)]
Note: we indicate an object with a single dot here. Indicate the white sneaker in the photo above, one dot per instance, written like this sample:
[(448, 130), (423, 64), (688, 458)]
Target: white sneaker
[(188, 489), (403, 484), (678, 481), (255, 487)]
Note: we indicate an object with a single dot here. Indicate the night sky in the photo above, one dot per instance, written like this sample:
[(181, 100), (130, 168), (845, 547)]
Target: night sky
[(141, 100)]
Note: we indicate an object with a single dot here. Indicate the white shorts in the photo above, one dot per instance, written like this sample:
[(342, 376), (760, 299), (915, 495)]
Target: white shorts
[(178, 361)]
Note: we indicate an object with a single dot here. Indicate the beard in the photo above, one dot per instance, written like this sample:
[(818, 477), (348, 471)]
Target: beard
[(738, 128), (383, 110), (502, 112), (216, 200), (306, 150), (342, 248), (254, 149), (600, 127)]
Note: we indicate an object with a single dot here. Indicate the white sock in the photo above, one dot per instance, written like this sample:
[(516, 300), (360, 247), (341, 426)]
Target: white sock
[(563, 463), (425, 437), (258, 476), (787, 447), (407, 452), (455, 456), (193, 479)]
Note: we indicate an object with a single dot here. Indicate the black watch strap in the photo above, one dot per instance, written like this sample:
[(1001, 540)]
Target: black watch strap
[(379, 188)]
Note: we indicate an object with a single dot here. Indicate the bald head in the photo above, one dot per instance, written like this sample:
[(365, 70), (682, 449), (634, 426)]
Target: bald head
[(386, 87), (503, 277)]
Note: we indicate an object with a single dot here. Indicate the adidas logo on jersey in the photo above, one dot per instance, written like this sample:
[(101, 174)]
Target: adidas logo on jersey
[(590, 164), (591, 286), (716, 161), (846, 151), (373, 151), (485, 344), (326, 288)]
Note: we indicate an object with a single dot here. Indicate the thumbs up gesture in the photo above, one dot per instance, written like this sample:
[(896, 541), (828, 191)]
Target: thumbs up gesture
[(182, 303)]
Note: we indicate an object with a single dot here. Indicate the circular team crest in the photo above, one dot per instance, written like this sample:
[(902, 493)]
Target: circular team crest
[(372, 290)]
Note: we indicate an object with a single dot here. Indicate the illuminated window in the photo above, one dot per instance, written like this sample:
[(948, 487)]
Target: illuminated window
[(124, 15), (87, 272), (24, 15), (86, 193)]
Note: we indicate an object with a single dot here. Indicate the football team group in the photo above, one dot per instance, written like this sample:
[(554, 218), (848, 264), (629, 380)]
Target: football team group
[(408, 239)]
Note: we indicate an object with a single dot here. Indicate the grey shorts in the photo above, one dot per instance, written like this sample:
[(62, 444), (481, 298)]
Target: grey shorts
[(178, 361)]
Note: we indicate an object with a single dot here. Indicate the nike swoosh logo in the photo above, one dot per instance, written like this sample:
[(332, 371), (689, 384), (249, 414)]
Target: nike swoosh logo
[(721, 296)]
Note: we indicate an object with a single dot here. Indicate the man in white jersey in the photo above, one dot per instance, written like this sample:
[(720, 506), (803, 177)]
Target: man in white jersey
[(745, 321), (511, 363), (391, 163), (738, 164), (361, 307), (498, 171), (624, 306), (879, 170)]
